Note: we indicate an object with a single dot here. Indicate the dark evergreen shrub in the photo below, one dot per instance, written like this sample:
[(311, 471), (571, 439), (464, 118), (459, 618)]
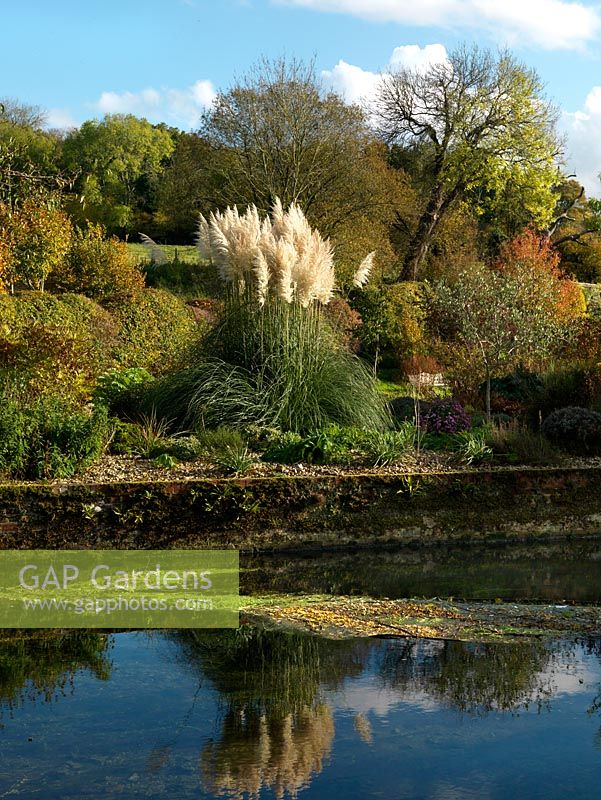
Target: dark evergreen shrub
[(574, 429)]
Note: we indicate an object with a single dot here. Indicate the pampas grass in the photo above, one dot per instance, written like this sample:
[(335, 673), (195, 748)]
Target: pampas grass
[(280, 366), (157, 256), (273, 360), (365, 267), (279, 257)]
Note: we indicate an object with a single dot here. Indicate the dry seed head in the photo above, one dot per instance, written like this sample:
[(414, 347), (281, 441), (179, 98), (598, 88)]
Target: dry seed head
[(285, 259), (262, 277), (363, 272), (153, 249), (280, 255), (203, 239)]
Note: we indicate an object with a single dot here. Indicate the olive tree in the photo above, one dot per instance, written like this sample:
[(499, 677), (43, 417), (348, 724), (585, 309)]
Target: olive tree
[(501, 317)]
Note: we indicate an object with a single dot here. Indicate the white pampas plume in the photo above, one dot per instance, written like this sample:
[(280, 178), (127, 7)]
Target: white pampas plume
[(285, 258), (279, 256), (219, 247), (203, 239), (278, 218), (365, 267), (262, 277), (234, 241), (157, 256)]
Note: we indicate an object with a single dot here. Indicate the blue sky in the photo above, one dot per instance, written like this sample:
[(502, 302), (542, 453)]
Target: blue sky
[(165, 59)]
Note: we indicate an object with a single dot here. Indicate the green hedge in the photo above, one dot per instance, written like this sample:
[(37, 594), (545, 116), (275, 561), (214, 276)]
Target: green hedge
[(49, 438)]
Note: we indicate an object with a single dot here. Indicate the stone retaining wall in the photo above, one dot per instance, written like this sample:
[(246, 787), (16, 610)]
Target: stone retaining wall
[(285, 512)]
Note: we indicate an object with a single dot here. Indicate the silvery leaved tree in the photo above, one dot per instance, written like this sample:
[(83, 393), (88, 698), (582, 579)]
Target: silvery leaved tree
[(500, 318)]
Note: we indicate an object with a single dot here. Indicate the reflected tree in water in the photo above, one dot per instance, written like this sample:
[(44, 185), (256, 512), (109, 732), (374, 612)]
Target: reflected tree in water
[(43, 664), (276, 729), (470, 676)]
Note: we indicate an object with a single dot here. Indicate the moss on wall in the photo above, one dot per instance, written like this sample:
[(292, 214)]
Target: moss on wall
[(286, 512)]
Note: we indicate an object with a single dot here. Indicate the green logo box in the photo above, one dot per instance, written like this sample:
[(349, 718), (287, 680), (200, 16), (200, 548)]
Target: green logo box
[(119, 588)]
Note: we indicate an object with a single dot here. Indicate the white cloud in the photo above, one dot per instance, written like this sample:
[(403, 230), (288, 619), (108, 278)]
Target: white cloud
[(180, 107), (356, 84), (128, 102), (551, 24), (61, 119), (350, 82), (415, 57), (582, 129)]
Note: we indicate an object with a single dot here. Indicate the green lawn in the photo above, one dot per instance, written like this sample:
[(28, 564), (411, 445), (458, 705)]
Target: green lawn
[(391, 386), (185, 252)]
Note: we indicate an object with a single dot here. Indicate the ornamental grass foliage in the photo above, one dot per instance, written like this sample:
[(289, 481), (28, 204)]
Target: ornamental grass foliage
[(273, 358)]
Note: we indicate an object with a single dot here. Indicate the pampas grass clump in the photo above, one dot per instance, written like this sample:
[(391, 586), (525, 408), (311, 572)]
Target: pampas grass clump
[(273, 359)]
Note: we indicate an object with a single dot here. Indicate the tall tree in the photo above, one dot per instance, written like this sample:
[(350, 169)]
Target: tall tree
[(285, 136), (278, 133), (119, 160), (192, 183), (484, 125), (29, 155)]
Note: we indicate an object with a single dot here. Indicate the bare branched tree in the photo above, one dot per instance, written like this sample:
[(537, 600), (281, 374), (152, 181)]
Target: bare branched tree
[(281, 135)]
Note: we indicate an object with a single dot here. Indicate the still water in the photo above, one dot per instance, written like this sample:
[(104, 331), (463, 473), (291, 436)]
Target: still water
[(250, 714), (555, 572)]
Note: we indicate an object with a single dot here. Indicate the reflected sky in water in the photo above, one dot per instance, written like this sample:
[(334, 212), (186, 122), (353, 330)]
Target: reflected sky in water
[(251, 714)]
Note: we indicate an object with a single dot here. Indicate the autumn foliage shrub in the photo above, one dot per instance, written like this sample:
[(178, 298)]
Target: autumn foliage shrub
[(393, 321), (61, 344), (97, 267), (516, 393), (346, 321), (52, 344), (531, 257), (37, 235), (155, 328), (420, 364)]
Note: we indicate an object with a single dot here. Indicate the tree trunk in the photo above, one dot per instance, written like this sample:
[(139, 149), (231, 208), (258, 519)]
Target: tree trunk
[(422, 238), (488, 413)]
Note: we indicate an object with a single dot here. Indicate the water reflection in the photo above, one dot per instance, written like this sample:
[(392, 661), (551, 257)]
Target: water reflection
[(255, 713), (280, 692), (43, 664), (473, 677), (261, 751), (562, 571), (276, 730)]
